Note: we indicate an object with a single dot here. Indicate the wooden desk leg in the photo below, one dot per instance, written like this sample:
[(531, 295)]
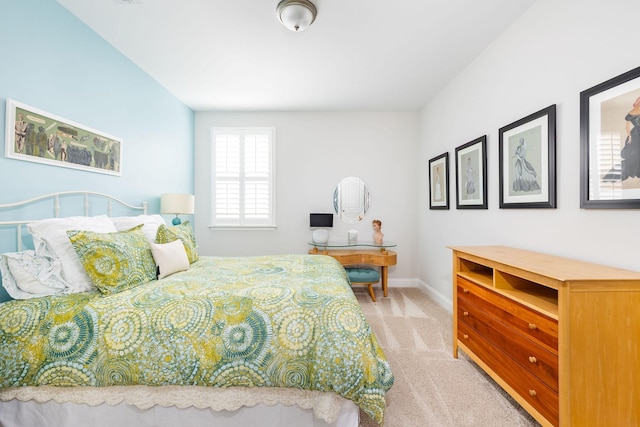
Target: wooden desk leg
[(384, 272)]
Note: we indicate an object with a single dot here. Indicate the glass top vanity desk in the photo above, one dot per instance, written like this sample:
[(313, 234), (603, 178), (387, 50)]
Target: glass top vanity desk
[(360, 253), (351, 203)]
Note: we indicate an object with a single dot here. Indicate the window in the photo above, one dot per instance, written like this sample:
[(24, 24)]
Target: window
[(242, 177), (609, 178)]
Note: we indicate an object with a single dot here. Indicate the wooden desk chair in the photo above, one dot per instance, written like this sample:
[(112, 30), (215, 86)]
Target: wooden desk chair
[(364, 276)]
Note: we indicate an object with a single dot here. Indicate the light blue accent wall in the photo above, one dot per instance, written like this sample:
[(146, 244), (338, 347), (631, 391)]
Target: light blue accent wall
[(54, 62)]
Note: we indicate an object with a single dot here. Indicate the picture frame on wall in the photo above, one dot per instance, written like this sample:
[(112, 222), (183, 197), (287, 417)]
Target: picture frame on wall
[(610, 143), (471, 174), (439, 182), (34, 135), (527, 161)]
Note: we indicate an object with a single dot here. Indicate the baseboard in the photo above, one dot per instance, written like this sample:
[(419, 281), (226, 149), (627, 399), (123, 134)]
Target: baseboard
[(403, 283), (442, 300)]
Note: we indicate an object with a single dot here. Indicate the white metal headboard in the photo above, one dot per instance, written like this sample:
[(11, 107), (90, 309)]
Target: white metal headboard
[(55, 198)]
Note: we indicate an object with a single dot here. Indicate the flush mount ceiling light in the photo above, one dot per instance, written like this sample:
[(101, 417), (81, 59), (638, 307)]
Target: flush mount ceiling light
[(296, 15)]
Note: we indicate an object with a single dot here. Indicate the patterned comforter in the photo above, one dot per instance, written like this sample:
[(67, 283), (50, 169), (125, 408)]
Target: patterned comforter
[(270, 321)]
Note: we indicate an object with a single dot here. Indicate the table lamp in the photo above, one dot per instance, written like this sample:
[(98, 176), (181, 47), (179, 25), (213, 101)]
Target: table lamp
[(177, 204)]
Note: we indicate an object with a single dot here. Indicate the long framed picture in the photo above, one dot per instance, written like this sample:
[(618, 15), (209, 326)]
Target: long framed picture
[(471, 174), (34, 135), (439, 182), (527, 153), (610, 143)]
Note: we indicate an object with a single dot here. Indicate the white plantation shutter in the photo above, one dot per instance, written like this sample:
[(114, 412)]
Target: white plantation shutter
[(242, 177), (227, 176)]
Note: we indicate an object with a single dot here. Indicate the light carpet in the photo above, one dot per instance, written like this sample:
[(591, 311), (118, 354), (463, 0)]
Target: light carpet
[(431, 387)]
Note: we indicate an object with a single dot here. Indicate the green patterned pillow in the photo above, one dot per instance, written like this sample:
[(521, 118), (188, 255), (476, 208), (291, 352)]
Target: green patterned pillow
[(183, 232), (115, 261)]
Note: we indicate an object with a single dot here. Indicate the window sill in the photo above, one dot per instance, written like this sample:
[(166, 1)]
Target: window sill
[(243, 227)]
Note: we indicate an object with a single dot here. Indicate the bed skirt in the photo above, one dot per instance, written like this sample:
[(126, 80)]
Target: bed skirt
[(160, 406)]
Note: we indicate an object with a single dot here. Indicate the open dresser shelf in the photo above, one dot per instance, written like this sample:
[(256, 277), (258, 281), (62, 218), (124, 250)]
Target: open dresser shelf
[(561, 336)]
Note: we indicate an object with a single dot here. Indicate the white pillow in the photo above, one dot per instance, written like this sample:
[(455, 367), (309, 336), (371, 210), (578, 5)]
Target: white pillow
[(50, 240), (150, 227), (26, 275), (170, 257)]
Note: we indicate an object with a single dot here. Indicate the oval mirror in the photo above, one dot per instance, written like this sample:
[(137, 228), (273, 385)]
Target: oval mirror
[(351, 199)]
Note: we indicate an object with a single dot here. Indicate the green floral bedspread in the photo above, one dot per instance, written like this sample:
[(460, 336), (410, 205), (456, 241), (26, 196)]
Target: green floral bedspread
[(270, 321)]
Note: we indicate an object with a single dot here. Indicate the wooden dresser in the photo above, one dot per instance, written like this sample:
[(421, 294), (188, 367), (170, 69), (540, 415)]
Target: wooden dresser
[(561, 336)]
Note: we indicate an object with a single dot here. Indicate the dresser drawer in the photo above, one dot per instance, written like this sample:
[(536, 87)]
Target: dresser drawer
[(350, 259), (372, 259), (529, 387), (533, 324), (528, 354)]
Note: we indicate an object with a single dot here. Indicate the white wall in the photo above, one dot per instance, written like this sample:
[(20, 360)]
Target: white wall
[(315, 151), (555, 50)]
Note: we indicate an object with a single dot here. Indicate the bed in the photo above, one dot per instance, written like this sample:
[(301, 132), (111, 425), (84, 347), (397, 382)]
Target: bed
[(269, 340)]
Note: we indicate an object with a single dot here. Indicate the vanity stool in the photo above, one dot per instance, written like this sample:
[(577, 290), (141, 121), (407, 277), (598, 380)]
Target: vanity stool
[(364, 276)]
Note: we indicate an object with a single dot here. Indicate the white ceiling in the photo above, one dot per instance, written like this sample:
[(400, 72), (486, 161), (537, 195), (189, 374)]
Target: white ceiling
[(359, 55)]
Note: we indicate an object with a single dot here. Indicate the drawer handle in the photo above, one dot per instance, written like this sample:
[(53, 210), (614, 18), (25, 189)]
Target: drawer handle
[(465, 313), (465, 290), (532, 359), (465, 336), (532, 326), (532, 393)]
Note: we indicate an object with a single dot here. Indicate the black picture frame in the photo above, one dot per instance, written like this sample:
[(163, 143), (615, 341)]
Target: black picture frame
[(610, 143), (439, 182), (471, 174), (527, 158)]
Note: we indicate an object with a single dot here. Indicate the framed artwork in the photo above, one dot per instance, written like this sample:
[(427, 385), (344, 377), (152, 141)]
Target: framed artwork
[(471, 174), (439, 182), (34, 135), (610, 143), (527, 153)]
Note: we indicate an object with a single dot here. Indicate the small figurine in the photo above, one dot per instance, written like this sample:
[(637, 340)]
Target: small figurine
[(377, 228)]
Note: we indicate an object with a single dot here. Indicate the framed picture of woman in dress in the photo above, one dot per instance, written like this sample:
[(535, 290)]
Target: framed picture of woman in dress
[(527, 153), (439, 182), (471, 174), (610, 143)]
